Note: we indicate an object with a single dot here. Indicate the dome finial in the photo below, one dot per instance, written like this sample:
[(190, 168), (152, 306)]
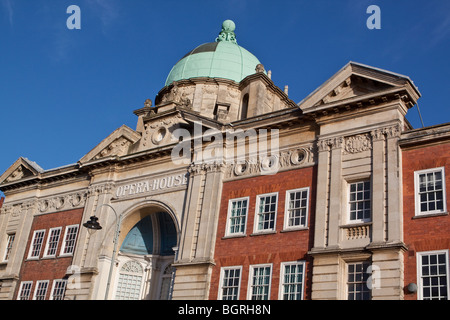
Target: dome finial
[(227, 33)]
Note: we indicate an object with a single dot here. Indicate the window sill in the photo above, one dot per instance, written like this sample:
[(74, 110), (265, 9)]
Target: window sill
[(429, 215), (294, 229), (232, 236), (32, 258), (48, 257), (355, 224), (262, 233)]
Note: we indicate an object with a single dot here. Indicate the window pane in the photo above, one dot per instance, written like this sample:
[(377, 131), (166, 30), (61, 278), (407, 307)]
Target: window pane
[(292, 282), (434, 276), (267, 210), (360, 201), (230, 284), (430, 192), (357, 281)]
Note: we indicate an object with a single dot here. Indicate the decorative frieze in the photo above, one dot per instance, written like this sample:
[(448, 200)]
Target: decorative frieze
[(359, 142), (271, 164), (62, 202), (16, 210)]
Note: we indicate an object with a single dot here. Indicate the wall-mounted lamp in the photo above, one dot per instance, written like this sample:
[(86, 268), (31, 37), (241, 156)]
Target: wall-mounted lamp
[(412, 288), (92, 225)]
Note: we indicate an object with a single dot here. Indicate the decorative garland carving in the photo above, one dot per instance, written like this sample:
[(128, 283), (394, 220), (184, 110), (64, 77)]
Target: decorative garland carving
[(63, 202), (271, 164)]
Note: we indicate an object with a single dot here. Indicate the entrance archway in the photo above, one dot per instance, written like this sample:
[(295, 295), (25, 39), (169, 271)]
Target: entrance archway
[(147, 240)]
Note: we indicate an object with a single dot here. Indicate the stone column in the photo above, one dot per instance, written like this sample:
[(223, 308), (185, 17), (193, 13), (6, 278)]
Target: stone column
[(195, 258), (321, 216), (89, 259), (394, 185), (21, 215), (378, 186), (334, 211)]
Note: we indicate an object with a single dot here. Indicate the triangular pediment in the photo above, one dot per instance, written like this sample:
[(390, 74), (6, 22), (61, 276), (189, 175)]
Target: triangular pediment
[(20, 170), (356, 82), (352, 87), (117, 143)]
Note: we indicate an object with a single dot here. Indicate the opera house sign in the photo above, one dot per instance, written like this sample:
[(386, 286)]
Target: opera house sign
[(154, 185)]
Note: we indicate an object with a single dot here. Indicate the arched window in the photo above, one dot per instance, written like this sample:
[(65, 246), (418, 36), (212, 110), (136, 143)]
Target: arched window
[(166, 283), (130, 281), (244, 107)]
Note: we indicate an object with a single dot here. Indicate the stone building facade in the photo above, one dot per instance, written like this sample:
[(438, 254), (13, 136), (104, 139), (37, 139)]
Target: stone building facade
[(228, 189)]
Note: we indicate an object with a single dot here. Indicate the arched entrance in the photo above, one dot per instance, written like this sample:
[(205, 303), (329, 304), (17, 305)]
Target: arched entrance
[(147, 241)]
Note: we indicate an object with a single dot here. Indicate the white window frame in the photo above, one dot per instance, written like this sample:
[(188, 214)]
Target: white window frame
[(64, 244), (250, 279), (287, 209), (36, 288), (229, 217), (9, 244), (32, 244), (55, 283), (222, 274), (364, 273), (257, 213), (356, 220), (417, 192), (47, 244), (22, 285), (124, 276), (282, 275), (419, 256)]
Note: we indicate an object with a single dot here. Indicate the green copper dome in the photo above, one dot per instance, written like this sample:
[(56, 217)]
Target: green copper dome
[(223, 58)]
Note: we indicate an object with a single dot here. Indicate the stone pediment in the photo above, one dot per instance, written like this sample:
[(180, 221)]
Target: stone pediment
[(356, 82), (117, 143), (351, 87), (21, 169)]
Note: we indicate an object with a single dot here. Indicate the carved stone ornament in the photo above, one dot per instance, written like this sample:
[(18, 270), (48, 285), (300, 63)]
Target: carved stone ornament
[(62, 202), (333, 143), (285, 159), (180, 96), (16, 210), (358, 143), (198, 168), (16, 175), (118, 147)]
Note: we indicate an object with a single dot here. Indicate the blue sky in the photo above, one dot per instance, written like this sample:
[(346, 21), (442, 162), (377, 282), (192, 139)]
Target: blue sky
[(63, 91)]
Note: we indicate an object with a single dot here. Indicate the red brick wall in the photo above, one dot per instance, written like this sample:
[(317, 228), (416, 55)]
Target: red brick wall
[(49, 268), (425, 233), (270, 248)]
